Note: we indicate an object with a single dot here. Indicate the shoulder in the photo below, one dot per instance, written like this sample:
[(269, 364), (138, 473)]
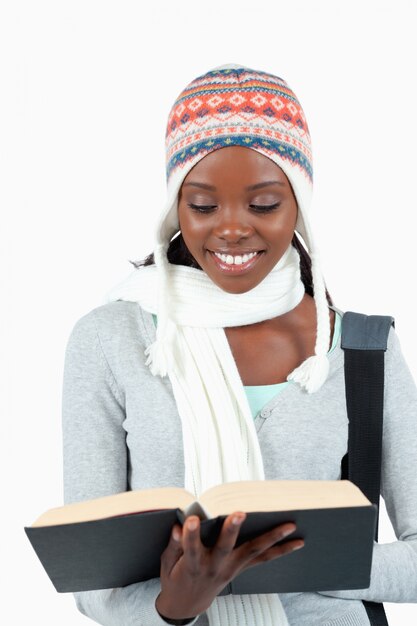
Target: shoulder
[(112, 323), (393, 342), (396, 364)]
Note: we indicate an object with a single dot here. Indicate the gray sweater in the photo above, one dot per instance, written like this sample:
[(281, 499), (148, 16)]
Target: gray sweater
[(122, 430)]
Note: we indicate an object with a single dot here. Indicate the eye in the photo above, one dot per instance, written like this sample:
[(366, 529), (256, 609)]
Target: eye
[(265, 208), (257, 207), (201, 208)]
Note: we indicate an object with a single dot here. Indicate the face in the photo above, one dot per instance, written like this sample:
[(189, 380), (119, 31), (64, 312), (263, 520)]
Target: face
[(239, 204)]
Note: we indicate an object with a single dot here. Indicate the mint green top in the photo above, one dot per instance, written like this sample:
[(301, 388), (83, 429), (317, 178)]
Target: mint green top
[(259, 395)]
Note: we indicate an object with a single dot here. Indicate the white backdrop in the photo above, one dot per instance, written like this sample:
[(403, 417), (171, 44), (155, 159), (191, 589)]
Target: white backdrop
[(86, 87)]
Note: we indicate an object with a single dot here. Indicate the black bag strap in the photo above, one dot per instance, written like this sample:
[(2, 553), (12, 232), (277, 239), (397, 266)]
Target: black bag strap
[(364, 341)]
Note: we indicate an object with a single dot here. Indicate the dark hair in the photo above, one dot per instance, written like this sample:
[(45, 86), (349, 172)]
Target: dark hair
[(178, 254)]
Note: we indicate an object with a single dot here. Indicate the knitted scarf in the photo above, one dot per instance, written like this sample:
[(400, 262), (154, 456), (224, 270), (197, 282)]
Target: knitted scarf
[(219, 436)]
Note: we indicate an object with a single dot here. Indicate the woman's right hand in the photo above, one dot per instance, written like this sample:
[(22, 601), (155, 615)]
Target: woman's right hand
[(193, 575)]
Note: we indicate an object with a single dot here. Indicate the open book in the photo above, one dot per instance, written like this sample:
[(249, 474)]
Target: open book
[(117, 540)]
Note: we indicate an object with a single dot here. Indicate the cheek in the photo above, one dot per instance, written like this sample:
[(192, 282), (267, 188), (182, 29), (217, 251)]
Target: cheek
[(285, 225), (183, 221), (190, 224), (192, 233), (280, 231)]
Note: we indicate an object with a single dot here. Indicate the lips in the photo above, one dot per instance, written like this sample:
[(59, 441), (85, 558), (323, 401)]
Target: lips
[(234, 268), (239, 252)]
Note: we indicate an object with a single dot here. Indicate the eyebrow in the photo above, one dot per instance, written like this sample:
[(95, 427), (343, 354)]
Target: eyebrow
[(266, 183)]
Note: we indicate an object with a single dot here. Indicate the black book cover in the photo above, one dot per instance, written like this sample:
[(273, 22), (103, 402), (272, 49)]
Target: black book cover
[(119, 551)]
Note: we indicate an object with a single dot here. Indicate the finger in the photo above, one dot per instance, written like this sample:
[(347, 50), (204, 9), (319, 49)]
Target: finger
[(251, 549), (227, 538), (272, 553), (173, 551), (191, 544)]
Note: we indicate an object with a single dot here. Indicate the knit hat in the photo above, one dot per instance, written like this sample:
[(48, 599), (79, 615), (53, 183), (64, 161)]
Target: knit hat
[(236, 105)]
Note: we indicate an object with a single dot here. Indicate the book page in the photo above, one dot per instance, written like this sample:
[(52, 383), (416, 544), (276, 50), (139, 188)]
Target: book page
[(123, 503), (281, 495)]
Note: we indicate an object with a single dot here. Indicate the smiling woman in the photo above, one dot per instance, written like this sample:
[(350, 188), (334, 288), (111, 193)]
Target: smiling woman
[(179, 253), (231, 307), (230, 218)]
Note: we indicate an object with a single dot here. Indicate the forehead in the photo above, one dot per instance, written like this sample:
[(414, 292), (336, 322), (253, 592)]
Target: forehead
[(245, 164)]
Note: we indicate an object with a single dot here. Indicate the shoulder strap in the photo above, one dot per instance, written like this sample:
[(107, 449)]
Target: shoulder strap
[(365, 332), (364, 341)]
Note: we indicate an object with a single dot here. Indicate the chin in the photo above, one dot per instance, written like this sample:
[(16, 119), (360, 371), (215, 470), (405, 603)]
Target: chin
[(235, 288)]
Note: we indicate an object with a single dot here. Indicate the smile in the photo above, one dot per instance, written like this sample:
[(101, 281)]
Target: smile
[(235, 265)]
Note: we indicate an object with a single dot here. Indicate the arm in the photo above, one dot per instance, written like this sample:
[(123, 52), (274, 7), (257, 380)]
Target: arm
[(95, 464), (394, 565)]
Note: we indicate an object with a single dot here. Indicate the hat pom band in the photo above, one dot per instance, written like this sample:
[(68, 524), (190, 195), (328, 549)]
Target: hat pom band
[(159, 358), (312, 373)]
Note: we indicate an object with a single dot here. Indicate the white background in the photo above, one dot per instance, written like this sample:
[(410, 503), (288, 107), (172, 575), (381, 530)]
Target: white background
[(86, 88)]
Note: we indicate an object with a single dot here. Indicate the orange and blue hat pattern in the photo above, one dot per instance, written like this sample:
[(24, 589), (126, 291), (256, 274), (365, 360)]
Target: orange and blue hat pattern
[(239, 106)]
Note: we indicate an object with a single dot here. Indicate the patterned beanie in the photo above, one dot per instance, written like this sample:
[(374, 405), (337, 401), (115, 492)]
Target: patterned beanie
[(236, 105)]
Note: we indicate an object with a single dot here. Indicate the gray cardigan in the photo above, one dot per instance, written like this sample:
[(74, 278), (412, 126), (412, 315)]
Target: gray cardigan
[(122, 430)]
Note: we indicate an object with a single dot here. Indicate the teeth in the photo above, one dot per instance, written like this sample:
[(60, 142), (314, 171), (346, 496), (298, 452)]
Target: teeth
[(237, 260)]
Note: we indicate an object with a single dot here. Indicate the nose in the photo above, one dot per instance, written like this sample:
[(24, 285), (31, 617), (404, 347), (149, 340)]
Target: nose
[(232, 225)]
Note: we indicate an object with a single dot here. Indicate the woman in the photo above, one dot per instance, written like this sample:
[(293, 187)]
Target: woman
[(219, 359)]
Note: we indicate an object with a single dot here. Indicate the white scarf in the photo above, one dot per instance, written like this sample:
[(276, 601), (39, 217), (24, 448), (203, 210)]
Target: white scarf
[(219, 435)]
